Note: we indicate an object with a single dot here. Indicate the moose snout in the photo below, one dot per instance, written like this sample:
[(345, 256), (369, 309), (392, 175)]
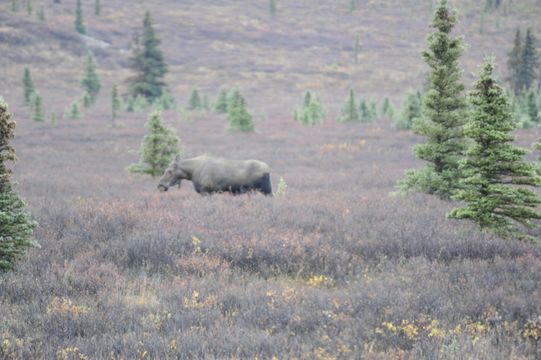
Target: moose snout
[(162, 188)]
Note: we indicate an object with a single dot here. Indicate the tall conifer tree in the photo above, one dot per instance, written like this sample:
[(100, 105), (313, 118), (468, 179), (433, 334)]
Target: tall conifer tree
[(115, 104), (514, 62), (444, 113), (493, 166), (16, 225), (28, 87), (148, 63), (237, 115), (90, 81), (79, 21), (349, 110), (529, 61)]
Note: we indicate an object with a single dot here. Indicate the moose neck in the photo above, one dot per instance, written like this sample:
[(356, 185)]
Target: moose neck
[(189, 166)]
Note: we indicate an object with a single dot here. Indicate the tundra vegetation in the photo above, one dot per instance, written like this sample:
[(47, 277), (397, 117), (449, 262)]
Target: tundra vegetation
[(333, 268)]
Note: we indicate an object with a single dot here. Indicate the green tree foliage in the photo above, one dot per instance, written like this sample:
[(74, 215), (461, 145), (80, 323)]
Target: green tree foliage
[(41, 14), (79, 21), (311, 112), (272, 8), (352, 5), (14, 5), (97, 7), (444, 108), (159, 147), (74, 113), (349, 111), (514, 62), (387, 108), (28, 87), (493, 166), (364, 112), (115, 104), (220, 106), (237, 115), (195, 103), (529, 61), (16, 225), (37, 108), (533, 108), (90, 81), (357, 49), (29, 8), (410, 111), (148, 64)]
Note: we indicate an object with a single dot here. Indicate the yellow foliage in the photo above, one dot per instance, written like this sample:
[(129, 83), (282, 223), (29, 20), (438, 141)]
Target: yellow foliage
[(320, 280), (196, 303), (65, 306), (70, 353)]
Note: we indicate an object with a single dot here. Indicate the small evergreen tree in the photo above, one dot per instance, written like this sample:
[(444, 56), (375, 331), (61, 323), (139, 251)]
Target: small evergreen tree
[(514, 63), (14, 5), (529, 61), (445, 111), (272, 8), (41, 14), (220, 106), (237, 115), (90, 81), (29, 7), (74, 112), (115, 104), (352, 5), (410, 111), (28, 87), (16, 225), (37, 107), (533, 108), (97, 7), (148, 64), (311, 112), (357, 49), (349, 111), (364, 112), (493, 166), (79, 21), (387, 108), (194, 103), (159, 147)]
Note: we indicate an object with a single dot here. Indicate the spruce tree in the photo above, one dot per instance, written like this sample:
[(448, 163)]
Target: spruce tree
[(514, 62), (364, 112), (41, 14), (115, 104), (37, 108), (311, 112), (410, 111), (97, 7), (533, 108), (387, 108), (74, 112), (237, 115), (14, 5), (16, 225), (148, 64), (90, 80), (357, 49), (352, 5), (194, 103), (496, 174), (349, 111), (220, 106), (28, 87), (29, 7), (444, 108), (79, 22), (272, 8), (529, 61), (159, 147)]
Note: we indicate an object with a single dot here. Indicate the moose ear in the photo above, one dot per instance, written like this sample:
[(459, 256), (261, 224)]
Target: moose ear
[(177, 158)]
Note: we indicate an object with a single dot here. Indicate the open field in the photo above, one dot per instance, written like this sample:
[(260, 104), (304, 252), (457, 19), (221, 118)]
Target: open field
[(334, 269)]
